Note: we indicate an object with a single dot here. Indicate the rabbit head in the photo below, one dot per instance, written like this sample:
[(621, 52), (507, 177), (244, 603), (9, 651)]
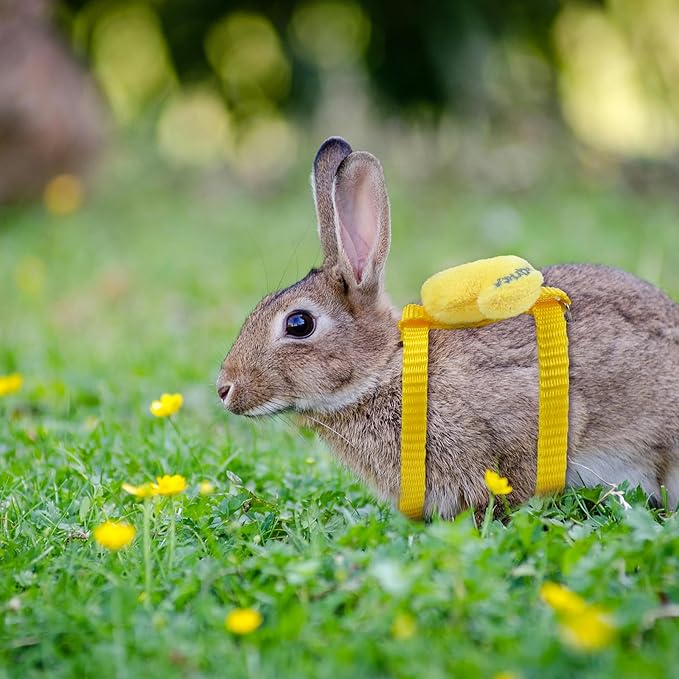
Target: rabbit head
[(319, 345)]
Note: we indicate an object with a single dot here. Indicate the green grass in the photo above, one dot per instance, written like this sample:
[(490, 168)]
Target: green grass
[(143, 292)]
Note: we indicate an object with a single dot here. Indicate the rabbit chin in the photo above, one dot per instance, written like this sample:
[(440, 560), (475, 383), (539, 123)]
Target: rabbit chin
[(336, 400), (319, 403)]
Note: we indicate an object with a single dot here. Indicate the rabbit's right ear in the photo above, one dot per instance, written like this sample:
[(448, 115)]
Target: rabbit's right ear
[(363, 224), (328, 158)]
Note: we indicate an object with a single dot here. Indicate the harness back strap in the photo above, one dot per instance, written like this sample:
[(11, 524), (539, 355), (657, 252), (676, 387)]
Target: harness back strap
[(552, 344)]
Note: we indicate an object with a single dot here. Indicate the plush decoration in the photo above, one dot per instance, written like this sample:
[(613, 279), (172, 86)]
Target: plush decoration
[(481, 292)]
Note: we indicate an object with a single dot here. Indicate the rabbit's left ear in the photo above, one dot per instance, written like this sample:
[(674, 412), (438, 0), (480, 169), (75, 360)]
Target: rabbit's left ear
[(363, 224), (328, 158)]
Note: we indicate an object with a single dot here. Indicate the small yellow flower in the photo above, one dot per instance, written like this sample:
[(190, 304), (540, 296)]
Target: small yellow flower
[(168, 404), (590, 630), (170, 485), (497, 485), (145, 490), (206, 488), (403, 627), (562, 599), (10, 384), (583, 626), (243, 620), (113, 535), (506, 675)]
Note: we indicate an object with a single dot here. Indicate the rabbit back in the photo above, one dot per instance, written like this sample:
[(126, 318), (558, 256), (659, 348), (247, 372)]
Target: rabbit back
[(624, 391), (483, 399)]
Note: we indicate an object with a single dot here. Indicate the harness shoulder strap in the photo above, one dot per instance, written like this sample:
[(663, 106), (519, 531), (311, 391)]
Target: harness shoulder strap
[(553, 367)]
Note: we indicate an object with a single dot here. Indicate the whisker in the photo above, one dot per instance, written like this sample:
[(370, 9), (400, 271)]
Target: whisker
[(322, 424), (293, 254), (260, 256), (279, 406), (291, 426), (608, 483), (273, 407)]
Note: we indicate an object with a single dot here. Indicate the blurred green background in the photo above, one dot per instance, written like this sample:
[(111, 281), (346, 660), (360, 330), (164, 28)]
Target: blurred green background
[(223, 79)]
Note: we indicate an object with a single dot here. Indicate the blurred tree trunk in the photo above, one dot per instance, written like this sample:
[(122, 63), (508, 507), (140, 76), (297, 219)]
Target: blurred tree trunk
[(52, 119)]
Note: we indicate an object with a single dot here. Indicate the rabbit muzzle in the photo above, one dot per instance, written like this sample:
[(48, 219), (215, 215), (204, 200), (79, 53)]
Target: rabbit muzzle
[(246, 395)]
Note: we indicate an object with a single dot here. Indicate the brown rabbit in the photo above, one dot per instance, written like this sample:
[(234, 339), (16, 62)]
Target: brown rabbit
[(328, 349)]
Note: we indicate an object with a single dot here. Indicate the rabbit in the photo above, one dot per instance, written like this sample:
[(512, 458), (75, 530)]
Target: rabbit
[(328, 349)]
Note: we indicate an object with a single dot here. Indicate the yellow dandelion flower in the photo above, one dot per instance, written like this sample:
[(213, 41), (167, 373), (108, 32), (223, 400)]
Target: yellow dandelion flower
[(63, 194), (583, 626), (243, 620), (113, 535), (145, 490), (9, 384), (206, 488), (562, 599), (170, 485), (496, 484), (167, 404), (404, 627), (590, 630)]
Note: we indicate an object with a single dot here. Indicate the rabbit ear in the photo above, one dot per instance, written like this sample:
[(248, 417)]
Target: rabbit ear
[(362, 214), (328, 158)]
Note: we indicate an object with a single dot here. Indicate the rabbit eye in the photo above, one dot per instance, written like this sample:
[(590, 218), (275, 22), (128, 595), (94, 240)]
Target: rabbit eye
[(300, 324)]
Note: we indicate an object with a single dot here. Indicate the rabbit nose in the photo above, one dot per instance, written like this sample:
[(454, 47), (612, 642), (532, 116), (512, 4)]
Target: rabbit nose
[(223, 391)]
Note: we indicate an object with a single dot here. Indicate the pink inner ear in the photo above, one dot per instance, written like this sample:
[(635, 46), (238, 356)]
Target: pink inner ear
[(358, 220)]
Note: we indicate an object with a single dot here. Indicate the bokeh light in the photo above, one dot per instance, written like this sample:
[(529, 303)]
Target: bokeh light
[(246, 53), (131, 58), (63, 194), (331, 34), (604, 81), (267, 148), (195, 129)]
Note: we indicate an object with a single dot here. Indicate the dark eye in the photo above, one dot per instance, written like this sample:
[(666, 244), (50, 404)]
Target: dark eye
[(300, 324)]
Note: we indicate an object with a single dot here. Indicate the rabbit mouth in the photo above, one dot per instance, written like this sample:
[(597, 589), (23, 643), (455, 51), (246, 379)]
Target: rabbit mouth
[(239, 398), (271, 407)]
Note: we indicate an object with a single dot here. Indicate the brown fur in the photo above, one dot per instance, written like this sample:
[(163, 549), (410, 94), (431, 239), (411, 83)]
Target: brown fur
[(344, 380)]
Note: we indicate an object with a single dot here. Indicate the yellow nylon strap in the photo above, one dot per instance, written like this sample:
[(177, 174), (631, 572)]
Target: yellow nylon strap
[(552, 342), (414, 328)]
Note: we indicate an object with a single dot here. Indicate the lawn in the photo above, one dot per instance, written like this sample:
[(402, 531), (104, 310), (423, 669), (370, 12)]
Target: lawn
[(141, 292)]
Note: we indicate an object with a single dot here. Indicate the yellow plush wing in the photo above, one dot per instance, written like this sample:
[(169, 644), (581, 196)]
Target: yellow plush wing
[(482, 291)]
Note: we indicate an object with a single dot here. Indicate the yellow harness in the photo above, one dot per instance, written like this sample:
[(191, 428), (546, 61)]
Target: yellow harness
[(471, 296)]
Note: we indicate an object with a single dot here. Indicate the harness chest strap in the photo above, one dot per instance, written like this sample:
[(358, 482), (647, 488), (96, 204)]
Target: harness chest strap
[(552, 345)]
